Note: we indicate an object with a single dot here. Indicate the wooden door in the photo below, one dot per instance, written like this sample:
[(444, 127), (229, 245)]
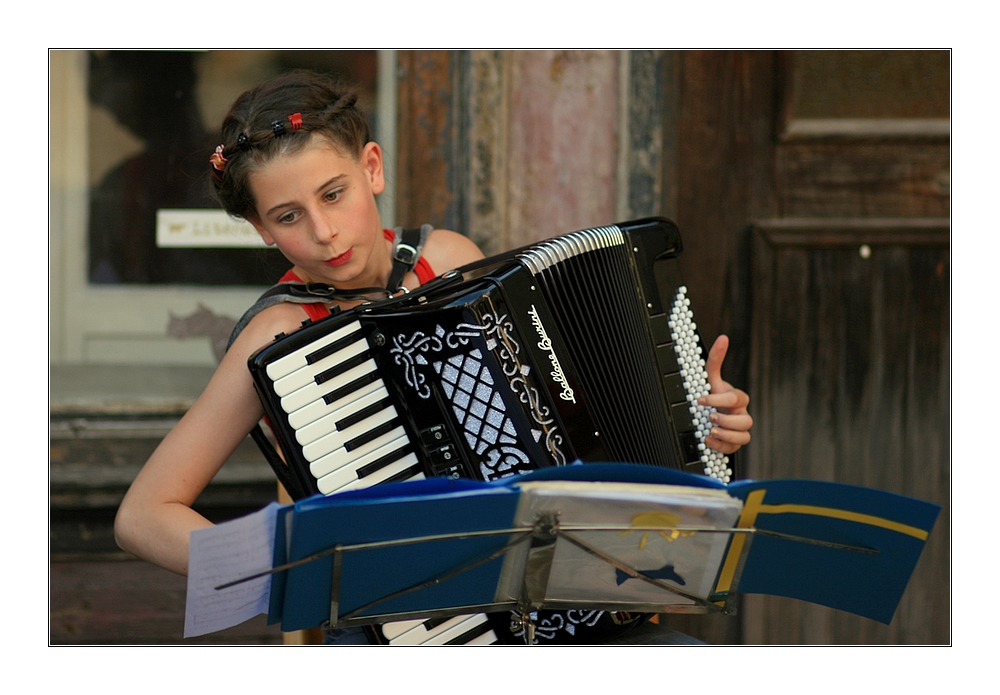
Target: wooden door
[(812, 191)]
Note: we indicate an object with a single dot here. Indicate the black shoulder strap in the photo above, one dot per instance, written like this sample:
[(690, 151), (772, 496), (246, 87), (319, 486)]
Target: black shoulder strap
[(406, 249), (407, 246), (297, 292)]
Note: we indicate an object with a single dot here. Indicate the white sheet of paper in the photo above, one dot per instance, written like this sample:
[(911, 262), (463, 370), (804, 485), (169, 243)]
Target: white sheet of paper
[(688, 561), (224, 553)]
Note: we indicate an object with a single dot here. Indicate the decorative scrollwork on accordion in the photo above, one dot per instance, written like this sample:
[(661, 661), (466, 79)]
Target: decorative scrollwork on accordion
[(471, 391)]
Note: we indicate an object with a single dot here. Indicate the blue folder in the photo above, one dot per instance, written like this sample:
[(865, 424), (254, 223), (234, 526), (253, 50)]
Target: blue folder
[(843, 546), (300, 597), (879, 538)]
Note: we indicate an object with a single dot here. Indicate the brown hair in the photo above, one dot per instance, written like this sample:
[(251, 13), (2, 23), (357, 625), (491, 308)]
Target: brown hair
[(326, 107)]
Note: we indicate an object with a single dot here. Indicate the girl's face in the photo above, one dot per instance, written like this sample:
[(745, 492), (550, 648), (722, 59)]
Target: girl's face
[(318, 207)]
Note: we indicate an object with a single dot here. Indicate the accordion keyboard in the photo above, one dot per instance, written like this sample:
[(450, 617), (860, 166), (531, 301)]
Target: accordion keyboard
[(352, 437), (339, 409), (462, 629)]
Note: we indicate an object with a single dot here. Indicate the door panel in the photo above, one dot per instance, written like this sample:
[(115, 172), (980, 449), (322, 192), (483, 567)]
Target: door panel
[(817, 236), (850, 328), (851, 380)]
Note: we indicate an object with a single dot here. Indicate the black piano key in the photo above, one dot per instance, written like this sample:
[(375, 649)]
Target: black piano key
[(372, 434), (469, 635), (364, 413), (384, 461), (432, 623), (404, 474), (350, 388), (335, 346), (346, 365)]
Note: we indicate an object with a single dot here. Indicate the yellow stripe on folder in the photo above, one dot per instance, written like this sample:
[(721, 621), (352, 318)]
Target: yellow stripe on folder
[(832, 513), (748, 516), (754, 507)]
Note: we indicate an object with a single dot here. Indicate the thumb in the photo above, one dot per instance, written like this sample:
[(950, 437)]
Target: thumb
[(713, 365)]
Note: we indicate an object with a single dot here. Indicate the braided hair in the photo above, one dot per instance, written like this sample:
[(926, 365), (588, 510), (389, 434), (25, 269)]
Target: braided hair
[(278, 118)]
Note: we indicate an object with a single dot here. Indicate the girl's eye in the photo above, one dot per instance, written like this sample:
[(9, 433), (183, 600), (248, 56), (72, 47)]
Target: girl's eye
[(334, 194), (287, 218)]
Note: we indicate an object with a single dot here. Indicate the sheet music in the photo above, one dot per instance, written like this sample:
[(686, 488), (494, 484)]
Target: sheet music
[(224, 553), (684, 559)]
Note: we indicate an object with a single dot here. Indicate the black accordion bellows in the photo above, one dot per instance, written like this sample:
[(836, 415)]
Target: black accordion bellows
[(595, 301)]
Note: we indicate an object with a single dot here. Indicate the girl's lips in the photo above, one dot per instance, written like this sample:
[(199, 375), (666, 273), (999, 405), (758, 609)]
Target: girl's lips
[(339, 260)]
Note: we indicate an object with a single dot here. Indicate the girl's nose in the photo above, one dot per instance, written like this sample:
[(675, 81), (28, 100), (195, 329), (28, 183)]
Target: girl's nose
[(323, 229)]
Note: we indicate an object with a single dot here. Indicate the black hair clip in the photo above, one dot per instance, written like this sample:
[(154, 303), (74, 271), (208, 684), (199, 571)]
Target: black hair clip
[(278, 127), (243, 142)]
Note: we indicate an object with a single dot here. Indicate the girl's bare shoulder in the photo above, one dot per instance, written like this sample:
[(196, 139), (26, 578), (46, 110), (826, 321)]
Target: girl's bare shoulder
[(285, 317), (446, 250)]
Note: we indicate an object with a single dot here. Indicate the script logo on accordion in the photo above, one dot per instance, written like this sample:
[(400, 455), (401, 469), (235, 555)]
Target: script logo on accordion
[(545, 344)]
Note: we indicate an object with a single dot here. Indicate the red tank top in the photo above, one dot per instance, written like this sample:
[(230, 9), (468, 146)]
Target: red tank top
[(319, 311)]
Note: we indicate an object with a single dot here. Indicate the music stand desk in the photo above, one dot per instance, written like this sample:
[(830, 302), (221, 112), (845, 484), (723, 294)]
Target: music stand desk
[(439, 548)]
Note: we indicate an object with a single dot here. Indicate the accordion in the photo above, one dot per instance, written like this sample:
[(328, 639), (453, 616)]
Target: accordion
[(580, 348)]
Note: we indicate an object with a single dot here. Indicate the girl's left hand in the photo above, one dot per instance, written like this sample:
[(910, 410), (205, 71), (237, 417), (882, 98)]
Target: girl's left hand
[(731, 421)]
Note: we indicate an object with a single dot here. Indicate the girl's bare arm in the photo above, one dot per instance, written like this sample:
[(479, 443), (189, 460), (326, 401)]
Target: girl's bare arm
[(155, 518)]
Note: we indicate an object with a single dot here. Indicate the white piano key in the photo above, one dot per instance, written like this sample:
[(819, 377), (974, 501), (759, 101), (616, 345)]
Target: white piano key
[(328, 424), (307, 374), (359, 461), (392, 631), (294, 360), (313, 410), (319, 408), (421, 635), (315, 392), (390, 472), (342, 457), (396, 628), (346, 478), (335, 440), (450, 633), (415, 633), (489, 637)]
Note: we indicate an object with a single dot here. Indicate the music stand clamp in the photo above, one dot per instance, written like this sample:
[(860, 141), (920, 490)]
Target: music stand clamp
[(536, 571)]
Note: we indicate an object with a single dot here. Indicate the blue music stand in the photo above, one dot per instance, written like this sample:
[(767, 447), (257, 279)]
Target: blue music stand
[(440, 548)]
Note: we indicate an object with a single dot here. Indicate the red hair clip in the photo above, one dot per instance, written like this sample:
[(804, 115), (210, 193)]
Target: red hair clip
[(217, 160), (296, 121)]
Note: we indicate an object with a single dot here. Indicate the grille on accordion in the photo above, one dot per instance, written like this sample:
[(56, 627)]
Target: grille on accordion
[(581, 348)]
